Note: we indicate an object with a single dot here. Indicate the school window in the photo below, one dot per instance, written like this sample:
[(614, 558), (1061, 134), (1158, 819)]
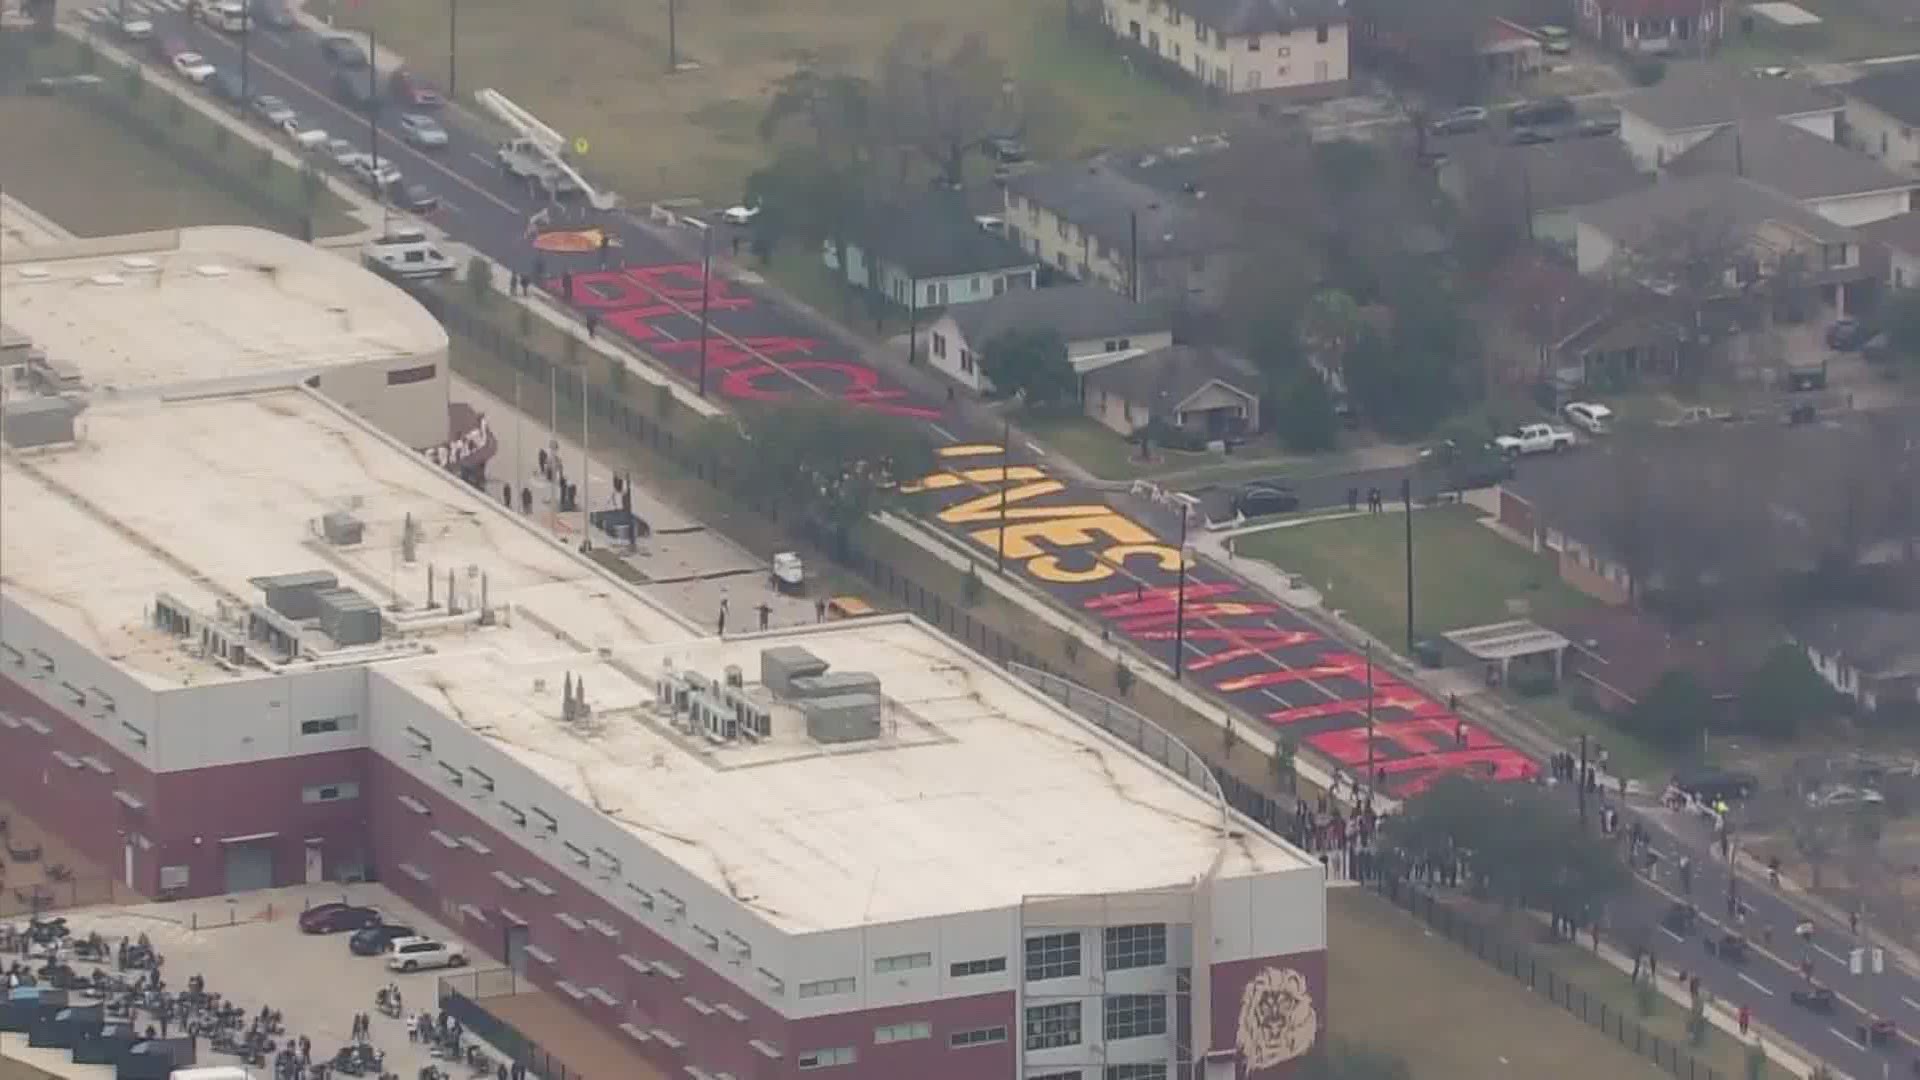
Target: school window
[(940, 346), (893, 1033), (1052, 1026), (931, 293), (1142, 945), (976, 285), (1253, 43), (1320, 33), (943, 292), (1253, 80), (1139, 1070), (323, 793), (403, 376), (988, 966), (903, 962), (827, 987), (1053, 956), (960, 1040), (1131, 1016), (823, 1059), (326, 725), (1070, 1074), (966, 356)]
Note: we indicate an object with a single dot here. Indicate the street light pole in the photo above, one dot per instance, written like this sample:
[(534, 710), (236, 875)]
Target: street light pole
[(1006, 466), (673, 36), (1406, 500), (706, 297), (1180, 601), (453, 48), (246, 52), (373, 101), (1369, 801)]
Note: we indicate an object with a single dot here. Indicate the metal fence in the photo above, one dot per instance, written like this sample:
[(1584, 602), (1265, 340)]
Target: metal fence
[(1541, 977), (461, 995), (74, 892)]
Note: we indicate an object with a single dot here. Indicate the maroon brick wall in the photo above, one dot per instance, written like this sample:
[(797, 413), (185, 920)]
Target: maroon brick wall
[(1260, 1012), (192, 810), (1516, 513), (78, 804)]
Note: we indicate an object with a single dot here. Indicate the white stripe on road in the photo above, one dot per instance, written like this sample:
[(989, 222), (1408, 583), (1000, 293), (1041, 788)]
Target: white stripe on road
[(1830, 956), (944, 433), (175, 5), (94, 15), (483, 159), (1037, 451), (1750, 981), (1671, 934), (1910, 1002), (1845, 1038)]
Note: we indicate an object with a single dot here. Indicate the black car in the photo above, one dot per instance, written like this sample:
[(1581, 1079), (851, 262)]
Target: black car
[(1552, 110), (1848, 335), (1530, 137), (1711, 786), (343, 52), (418, 198), (1257, 500), (272, 14), (350, 88), (373, 940)]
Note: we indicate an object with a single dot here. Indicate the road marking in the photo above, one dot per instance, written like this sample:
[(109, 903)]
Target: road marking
[(1830, 956), (1910, 1002), (1845, 1038), (94, 15), (1671, 934), (483, 159), (944, 433), (1751, 981), (1036, 450)]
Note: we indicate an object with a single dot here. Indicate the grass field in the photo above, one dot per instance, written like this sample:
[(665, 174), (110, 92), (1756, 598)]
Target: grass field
[(1847, 30), (1464, 575), (1396, 985), (599, 71)]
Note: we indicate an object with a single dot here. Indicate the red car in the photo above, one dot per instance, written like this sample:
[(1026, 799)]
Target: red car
[(408, 90), (335, 918)]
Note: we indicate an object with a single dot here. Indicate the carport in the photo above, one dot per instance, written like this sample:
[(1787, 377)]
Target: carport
[(1499, 645)]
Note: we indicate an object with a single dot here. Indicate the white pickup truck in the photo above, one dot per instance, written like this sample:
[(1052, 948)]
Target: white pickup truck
[(405, 255), (1535, 439), (522, 159)]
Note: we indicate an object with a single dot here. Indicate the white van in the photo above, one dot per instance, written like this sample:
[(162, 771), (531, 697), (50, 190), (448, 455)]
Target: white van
[(226, 15), (211, 1072), (405, 255)]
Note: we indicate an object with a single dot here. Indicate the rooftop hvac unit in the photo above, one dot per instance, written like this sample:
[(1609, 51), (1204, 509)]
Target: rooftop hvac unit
[(296, 595), (348, 617), (834, 684), (781, 665), (342, 529), (47, 421), (846, 718)]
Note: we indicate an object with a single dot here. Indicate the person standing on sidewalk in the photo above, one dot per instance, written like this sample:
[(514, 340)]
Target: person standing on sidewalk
[(1745, 1016)]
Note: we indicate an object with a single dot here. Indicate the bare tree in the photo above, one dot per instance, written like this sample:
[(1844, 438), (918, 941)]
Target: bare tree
[(944, 99), (1698, 260)]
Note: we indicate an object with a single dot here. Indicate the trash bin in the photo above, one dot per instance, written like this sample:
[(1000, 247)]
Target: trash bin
[(1427, 652)]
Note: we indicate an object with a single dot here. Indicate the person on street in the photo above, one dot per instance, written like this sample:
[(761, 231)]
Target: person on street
[(1773, 870), (1853, 922), (765, 611), (1745, 1016)]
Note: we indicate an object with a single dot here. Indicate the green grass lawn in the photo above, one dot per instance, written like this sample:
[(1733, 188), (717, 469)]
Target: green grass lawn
[(1105, 454), (1847, 31), (1627, 755), (1464, 575)]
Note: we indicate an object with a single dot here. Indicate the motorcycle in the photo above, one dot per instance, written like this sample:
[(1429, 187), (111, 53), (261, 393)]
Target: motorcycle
[(387, 1002)]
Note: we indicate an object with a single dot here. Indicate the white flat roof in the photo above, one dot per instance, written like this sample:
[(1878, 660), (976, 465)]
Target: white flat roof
[(189, 306), (977, 793), (22, 228), (194, 498)]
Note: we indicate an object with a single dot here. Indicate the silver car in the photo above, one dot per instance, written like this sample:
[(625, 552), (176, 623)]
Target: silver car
[(422, 131)]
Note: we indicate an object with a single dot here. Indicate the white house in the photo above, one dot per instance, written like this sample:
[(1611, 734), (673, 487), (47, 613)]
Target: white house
[(1869, 655), (932, 254), (1664, 121), (1844, 186), (1897, 239), (1883, 116), (1296, 47), (1094, 322)]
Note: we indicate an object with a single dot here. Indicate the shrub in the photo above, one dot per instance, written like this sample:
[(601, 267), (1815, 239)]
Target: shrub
[(479, 278), (1647, 70)]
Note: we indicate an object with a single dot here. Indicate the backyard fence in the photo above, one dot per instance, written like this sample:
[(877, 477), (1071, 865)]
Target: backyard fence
[(461, 996), (1541, 977)]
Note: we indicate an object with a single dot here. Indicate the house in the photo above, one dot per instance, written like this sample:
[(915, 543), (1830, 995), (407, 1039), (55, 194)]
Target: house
[(1895, 242), (1870, 655), (1842, 185), (1204, 391), (1661, 122), (1510, 51), (1770, 228), (932, 253), (1617, 656), (1093, 321), (1093, 222), (1654, 27), (1547, 181), (1883, 116), (1544, 320), (1290, 48)]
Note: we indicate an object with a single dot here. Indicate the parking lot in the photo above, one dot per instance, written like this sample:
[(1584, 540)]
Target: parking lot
[(250, 950)]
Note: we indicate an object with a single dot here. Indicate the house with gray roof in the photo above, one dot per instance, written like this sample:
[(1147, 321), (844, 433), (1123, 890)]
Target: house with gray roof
[(931, 253), (1893, 246), (1095, 322), (1883, 116), (1840, 184), (1547, 180), (1868, 654), (1663, 121), (1093, 222), (1207, 392)]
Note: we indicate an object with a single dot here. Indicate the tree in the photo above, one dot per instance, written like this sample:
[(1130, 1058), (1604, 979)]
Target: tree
[(834, 111), (1434, 46), (1815, 836), (942, 100), (1303, 412), (831, 463), (1688, 259), (1900, 315), (1031, 365), (1672, 714), (1783, 693), (1329, 326), (806, 198)]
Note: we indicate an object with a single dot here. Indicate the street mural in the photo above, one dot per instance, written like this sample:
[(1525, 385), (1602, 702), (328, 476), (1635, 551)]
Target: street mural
[(1086, 554)]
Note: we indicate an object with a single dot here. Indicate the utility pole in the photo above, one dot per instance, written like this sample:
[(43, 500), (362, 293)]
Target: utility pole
[(913, 322), (1006, 467), (706, 296), (1580, 781), (1406, 499), (1133, 256), (1180, 602), (373, 100), (246, 53), (673, 36), (1369, 801), (453, 48), (586, 465)]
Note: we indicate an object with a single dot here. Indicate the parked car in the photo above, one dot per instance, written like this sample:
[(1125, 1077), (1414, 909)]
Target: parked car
[(420, 954), (343, 52), (422, 131), (343, 152), (273, 14), (350, 88), (1594, 126), (1453, 467), (1555, 40), (1848, 335), (374, 176), (374, 940), (739, 215), (1258, 500), (410, 92), (1460, 121), (1535, 439), (193, 67), (309, 140), (136, 29), (336, 917), (1713, 785), (418, 198), (1527, 136), (1590, 417), (1549, 110), (274, 110)]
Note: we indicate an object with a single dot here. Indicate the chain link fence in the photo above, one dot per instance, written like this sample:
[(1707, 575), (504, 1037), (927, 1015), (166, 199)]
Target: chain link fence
[(461, 995)]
